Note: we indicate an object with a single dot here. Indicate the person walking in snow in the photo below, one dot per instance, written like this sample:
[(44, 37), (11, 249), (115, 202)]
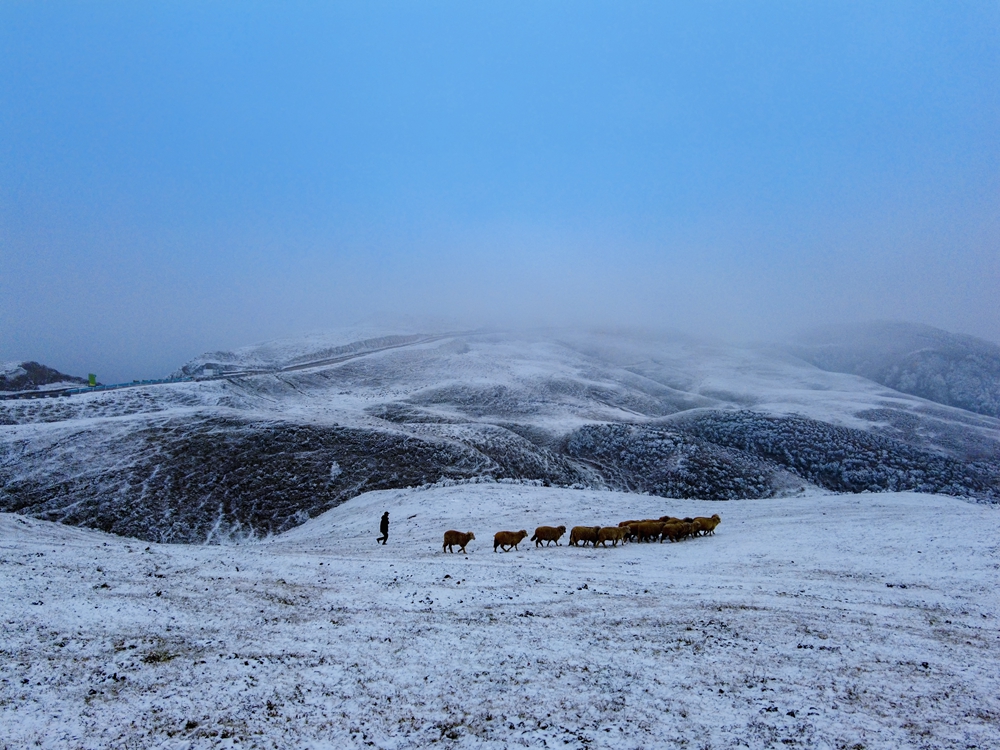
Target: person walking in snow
[(384, 528)]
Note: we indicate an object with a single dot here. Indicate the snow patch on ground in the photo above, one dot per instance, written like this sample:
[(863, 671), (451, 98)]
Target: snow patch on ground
[(831, 622)]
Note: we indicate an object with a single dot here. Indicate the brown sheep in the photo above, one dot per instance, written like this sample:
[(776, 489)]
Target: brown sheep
[(508, 539), (649, 530), (669, 519), (451, 538), (674, 531), (548, 534), (631, 530), (706, 525), (613, 534), (584, 534)]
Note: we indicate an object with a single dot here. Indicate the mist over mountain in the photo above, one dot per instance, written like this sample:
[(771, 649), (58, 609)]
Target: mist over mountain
[(275, 434), (948, 368)]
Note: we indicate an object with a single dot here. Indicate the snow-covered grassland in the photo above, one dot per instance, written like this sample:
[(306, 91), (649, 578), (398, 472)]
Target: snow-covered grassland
[(822, 621)]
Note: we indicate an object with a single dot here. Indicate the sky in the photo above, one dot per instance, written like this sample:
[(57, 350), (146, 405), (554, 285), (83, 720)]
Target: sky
[(178, 177)]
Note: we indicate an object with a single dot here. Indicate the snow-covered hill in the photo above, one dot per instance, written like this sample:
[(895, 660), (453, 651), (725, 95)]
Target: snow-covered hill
[(818, 621), (948, 368), (325, 419), (16, 377)]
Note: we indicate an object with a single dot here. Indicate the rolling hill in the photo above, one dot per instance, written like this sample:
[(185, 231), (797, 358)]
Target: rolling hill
[(277, 434)]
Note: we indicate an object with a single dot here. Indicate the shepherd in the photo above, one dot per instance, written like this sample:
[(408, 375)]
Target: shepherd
[(384, 528)]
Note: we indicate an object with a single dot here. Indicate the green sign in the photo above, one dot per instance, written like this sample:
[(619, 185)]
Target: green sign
[(91, 380)]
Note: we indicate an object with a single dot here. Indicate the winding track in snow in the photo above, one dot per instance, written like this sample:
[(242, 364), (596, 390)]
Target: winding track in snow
[(76, 390)]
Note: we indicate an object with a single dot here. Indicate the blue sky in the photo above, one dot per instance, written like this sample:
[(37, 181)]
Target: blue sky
[(178, 177)]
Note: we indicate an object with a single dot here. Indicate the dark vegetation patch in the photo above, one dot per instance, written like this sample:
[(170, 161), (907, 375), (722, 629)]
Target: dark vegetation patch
[(401, 413), (670, 463), (30, 375), (931, 433), (205, 477), (484, 401), (843, 459), (216, 478), (519, 458), (191, 481), (158, 657)]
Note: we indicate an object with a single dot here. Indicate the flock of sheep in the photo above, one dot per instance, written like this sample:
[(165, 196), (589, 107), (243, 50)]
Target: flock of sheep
[(648, 530)]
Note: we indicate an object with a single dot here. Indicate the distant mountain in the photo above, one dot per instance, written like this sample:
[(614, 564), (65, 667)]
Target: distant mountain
[(31, 376), (376, 333), (948, 368), (299, 426)]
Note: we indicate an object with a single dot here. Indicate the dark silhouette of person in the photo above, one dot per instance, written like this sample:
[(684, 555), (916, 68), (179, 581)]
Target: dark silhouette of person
[(384, 528)]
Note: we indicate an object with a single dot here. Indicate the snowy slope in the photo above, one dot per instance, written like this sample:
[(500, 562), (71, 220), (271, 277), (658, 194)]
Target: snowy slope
[(833, 622), (945, 367), (372, 334), (258, 454)]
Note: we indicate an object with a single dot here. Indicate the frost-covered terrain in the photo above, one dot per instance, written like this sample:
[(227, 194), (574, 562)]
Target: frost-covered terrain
[(945, 367), (857, 621), (298, 427), (30, 376)]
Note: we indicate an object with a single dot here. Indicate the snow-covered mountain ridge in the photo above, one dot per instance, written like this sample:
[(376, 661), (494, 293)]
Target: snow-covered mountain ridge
[(948, 368), (256, 454)]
